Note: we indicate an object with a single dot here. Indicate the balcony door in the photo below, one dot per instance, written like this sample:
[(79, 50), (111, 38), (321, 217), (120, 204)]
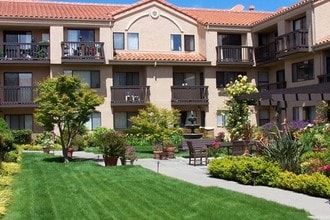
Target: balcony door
[(18, 87), (184, 79), (18, 44), (75, 37), (230, 45), (300, 39), (280, 79)]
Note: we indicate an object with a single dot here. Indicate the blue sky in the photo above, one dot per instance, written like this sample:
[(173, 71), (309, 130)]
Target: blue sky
[(260, 5)]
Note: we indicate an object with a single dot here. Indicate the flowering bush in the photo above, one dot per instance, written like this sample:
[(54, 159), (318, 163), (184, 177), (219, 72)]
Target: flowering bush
[(130, 153), (214, 148)]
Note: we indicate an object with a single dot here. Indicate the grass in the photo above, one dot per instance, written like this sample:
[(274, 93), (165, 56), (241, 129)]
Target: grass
[(49, 189)]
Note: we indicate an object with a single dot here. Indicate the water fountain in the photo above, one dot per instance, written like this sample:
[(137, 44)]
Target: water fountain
[(192, 126)]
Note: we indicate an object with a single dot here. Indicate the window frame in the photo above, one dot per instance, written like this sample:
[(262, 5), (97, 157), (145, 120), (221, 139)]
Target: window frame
[(302, 73), (92, 73), (263, 120), (226, 77), (176, 46), (189, 42), (91, 121), (222, 118), (128, 124), (136, 47), (122, 41), (20, 117)]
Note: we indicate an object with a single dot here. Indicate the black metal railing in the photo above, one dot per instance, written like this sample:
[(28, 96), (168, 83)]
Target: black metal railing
[(24, 52), (295, 41), (189, 95), (227, 54), (265, 53), (324, 78), (17, 95), (271, 86), (82, 51), (129, 95)]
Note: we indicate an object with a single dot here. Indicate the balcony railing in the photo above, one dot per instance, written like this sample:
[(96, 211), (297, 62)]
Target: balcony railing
[(293, 42), (130, 95), (265, 53), (271, 86), (24, 52), (324, 78), (234, 55), (190, 95), (17, 96), (82, 52)]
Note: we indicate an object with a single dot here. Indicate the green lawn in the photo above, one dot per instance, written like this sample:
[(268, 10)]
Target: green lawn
[(48, 189)]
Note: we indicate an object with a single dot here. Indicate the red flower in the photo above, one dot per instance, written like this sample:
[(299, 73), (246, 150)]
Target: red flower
[(215, 144)]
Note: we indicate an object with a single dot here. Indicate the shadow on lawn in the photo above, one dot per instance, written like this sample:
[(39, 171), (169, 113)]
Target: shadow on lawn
[(60, 159)]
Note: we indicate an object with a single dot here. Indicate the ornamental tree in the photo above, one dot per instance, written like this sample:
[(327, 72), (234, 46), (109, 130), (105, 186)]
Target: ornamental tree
[(157, 125), (65, 102), (239, 112)]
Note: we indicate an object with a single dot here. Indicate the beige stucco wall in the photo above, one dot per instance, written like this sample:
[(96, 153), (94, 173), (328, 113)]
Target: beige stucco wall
[(56, 37), (322, 24)]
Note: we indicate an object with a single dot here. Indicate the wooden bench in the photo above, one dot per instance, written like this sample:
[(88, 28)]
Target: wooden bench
[(196, 143)]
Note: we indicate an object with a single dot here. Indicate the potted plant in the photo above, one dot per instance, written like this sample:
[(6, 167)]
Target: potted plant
[(130, 155), (47, 144), (111, 144), (158, 151), (169, 149)]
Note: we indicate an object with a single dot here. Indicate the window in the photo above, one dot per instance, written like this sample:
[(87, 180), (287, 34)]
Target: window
[(263, 81), (175, 42), (90, 77), (303, 71), (18, 87), (24, 38), (306, 113), (19, 122), (118, 41), (184, 79), (189, 42), (121, 120), (229, 39), (81, 35), (222, 118), (264, 117), (223, 78), (94, 121), (132, 41), (126, 79)]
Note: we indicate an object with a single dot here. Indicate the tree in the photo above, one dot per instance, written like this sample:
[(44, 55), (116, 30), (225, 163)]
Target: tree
[(65, 102), (158, 125), (6, 140), (238, 118)]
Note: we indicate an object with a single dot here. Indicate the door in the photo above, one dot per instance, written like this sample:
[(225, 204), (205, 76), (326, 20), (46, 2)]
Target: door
[(18, 88), (18, 44), (231, 47), (280, 79)]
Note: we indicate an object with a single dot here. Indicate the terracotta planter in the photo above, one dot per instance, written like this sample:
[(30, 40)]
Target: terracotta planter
[(110, 160), (158, 155), (170, 152)]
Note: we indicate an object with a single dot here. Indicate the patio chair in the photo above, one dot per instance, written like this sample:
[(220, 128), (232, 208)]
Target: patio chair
[(197, 153)]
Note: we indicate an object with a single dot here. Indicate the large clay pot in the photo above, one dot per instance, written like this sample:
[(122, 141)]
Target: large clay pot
[(110, 160), (69, 152), (158, 155), (170, 152)]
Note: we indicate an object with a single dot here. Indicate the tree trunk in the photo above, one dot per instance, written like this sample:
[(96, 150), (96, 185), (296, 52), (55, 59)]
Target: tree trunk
[(65, 155)]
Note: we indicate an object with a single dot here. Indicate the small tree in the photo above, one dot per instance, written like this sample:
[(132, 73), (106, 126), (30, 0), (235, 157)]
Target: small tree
[(158, 125), (67, 103), (238, 118)]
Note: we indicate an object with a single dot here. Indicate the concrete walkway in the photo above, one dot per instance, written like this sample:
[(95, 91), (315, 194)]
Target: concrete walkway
[(178, 168)]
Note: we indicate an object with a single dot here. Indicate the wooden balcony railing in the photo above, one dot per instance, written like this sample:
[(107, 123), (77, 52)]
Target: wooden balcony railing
[(82, 52), (18, 96), (271, 86), (265, 53), (234, 55), (293, 42), (130, 95), (24, 52), (190, 95), (324, 78)]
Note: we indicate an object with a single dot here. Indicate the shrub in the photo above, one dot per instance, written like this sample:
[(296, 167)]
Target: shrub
[(240, 169), (315, 184), (22, 136), (9, 168), (4, 200), (6, 139)]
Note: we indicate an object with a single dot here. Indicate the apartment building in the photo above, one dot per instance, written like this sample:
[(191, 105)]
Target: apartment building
[(153, 51)]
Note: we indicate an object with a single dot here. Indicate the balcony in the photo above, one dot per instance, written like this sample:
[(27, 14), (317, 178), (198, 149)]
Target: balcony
[(82, 52), (18, 96), (189, 95), (265, 53), (293, 42), (24, 53), (271, 86), (234, 55), (325, 78), (130, 95)]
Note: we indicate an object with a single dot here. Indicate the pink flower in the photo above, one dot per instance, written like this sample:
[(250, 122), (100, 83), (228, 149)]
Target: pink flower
[(215, 144)]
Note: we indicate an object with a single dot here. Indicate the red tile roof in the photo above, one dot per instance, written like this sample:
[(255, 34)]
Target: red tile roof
[(322, 41), (177, 57), (53, 10), (226, 17)]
